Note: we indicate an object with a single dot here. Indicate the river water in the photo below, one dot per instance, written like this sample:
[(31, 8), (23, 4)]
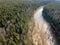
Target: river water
[(42, 32)]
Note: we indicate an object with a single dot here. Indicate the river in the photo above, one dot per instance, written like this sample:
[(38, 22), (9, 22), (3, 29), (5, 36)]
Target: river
[(41, 33)]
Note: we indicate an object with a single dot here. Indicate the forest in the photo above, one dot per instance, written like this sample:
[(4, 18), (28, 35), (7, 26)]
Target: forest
[(13, 23), (52, 14), (14, 18)]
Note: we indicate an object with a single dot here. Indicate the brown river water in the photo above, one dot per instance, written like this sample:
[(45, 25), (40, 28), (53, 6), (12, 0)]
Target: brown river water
[(40, 31)]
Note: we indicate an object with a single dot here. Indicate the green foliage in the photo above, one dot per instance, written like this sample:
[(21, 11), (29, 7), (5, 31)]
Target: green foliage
[(52, 15), (14, 19)]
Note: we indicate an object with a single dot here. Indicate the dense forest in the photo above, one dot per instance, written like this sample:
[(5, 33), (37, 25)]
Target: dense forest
[(14, 18), (13, 23), (52, 14)]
